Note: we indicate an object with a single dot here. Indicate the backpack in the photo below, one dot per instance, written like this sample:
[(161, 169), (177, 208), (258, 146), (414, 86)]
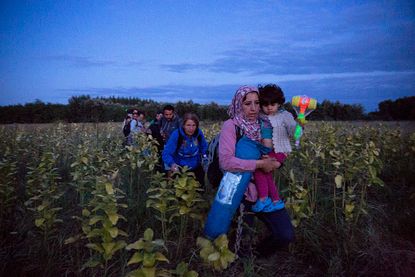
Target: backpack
[(214, 172), (126, 129)]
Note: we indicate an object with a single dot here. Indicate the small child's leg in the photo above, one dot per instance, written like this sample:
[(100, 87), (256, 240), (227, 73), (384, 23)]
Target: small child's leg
[(262, 188), (261, 184), (272, 187)]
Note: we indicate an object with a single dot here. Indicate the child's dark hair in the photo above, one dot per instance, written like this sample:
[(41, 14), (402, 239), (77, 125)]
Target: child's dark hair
[(270, 94)]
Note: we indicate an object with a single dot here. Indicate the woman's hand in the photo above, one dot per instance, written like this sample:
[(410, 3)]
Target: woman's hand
[(268, 164), (174, 167)]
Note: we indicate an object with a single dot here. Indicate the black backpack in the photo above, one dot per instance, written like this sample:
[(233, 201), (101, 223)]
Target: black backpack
[(126, 129), (214, 172)]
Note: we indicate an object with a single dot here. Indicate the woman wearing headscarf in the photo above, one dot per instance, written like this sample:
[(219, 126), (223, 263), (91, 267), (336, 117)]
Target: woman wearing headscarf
[(239, 158)]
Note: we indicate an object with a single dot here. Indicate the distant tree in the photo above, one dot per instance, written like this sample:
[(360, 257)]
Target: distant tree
[(213, 111), (400, 109), (184, 107), (83, 108), (337, 111)]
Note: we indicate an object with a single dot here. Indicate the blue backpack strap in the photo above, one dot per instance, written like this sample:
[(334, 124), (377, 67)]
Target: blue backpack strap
[(181, 138)]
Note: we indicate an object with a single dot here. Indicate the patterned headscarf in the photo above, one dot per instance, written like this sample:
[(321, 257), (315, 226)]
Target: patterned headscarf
[(251, 129)]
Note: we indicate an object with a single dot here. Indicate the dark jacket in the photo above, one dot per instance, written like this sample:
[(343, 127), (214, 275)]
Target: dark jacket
[(167, 127), (155, 133)]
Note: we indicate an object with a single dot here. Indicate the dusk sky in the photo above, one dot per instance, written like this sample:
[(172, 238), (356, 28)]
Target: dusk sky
[(350, 51)]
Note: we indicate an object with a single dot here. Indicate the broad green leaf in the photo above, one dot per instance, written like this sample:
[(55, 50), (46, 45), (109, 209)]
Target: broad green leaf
[(119, 245), (136, 258), (160, 257), (86, 229), (39, 222), (136, 273), (221, 241), (206, 251), (184, 210), (40, 208), (349, 208), (108, 247), (148, 234), (91, 263), (109, 189), (95, 247), (202, 242), (149, 272), (292, 177), (182, 182), (113, 218), (191, 273), (181, 268), (86, 212), (95, 219), (149, 260), (338, 180), (138, 245), (113, 232), (228, 256), (114, 175), (186, 196), (72, 239), (84, 160), (214, 256)]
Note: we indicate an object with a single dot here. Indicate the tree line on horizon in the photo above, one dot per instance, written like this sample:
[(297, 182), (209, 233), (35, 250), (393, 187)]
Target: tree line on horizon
[(86, 109)]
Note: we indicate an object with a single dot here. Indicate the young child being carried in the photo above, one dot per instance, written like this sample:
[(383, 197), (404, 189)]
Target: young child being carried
[(277, 128)]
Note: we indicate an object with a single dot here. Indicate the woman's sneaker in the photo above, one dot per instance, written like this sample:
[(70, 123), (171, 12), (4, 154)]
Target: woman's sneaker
[(261, 205), (274, 206)]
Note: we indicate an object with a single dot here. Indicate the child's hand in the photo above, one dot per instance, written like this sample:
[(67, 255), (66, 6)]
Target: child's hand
[(267, 165)]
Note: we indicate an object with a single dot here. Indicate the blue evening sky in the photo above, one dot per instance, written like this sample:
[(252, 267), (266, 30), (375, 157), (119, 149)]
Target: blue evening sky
[(350, 51)]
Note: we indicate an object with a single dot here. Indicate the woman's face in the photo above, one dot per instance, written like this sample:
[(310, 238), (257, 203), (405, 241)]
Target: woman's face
[(250, 106), (189, 127)]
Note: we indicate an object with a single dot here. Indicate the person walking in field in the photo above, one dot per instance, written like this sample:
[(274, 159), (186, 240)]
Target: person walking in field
[(136, 125), (276, 131), (240, 158), (185, 147), (155, 127), (169, 122)]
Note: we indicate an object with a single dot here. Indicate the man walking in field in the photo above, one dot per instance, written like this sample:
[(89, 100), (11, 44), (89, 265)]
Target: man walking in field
[(169, 122)]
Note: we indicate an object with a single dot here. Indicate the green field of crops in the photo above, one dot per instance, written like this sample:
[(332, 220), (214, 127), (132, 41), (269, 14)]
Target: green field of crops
[(75, 202)]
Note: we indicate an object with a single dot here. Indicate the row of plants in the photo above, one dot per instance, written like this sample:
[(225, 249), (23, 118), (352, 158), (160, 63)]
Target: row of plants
[(75, 202)]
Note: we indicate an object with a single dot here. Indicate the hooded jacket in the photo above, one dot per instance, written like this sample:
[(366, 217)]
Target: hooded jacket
[(188, 153)]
